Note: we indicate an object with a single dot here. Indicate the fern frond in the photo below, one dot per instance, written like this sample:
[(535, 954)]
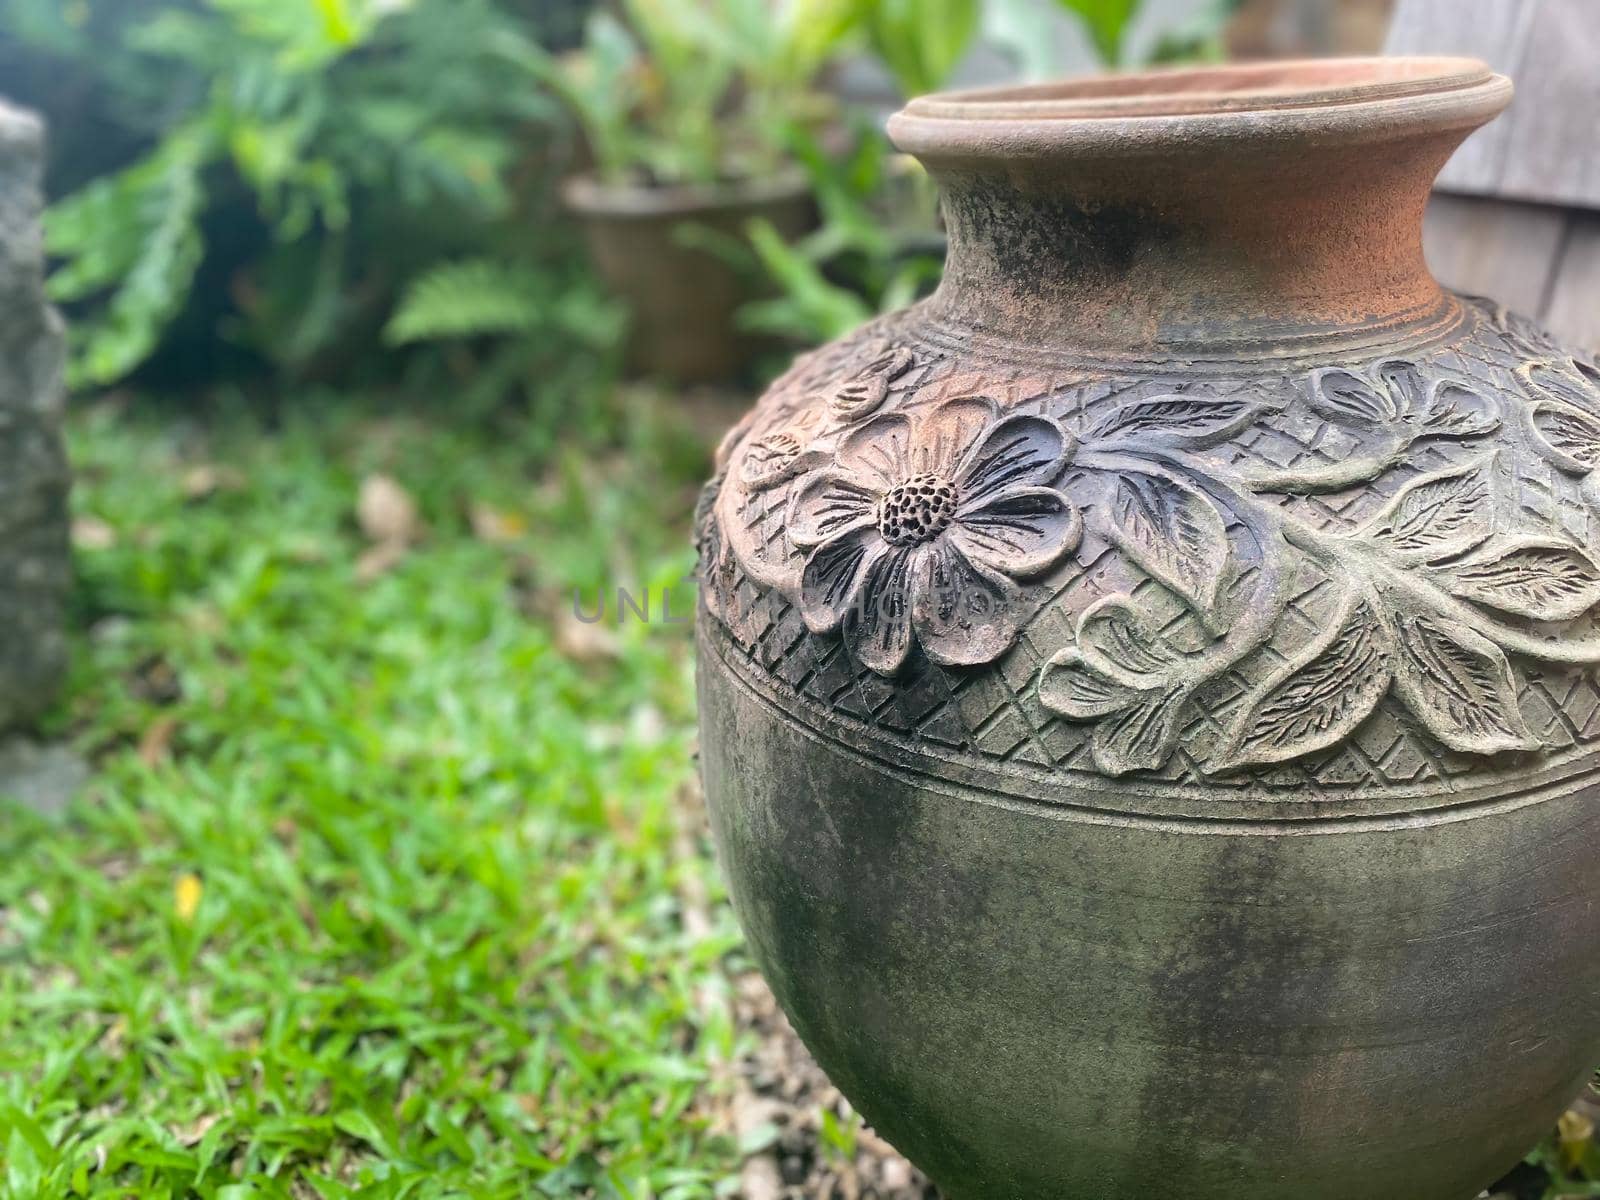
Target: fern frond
[(136, 236), (469, 298)]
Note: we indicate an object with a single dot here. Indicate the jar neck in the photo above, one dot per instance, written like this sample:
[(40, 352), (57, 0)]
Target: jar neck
[(1217, 254), (1213, 212)]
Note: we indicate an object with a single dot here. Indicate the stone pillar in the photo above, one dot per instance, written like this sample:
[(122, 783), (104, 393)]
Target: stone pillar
[(35, 571)]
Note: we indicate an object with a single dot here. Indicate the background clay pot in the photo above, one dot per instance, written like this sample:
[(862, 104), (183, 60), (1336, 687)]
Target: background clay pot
[(683, 297), (1149, 688)]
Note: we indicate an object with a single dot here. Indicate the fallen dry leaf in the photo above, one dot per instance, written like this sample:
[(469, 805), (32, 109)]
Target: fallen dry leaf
[(585, 641), (91, 533), (205, 479), (495, 525), (190, 1134), (113, 1040), (155, 744), (385, 511), (379, 559), (155, 680), (760, 1178), (1575, 1132)]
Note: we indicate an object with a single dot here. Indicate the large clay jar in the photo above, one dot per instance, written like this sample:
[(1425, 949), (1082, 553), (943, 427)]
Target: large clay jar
[(1149, 696)]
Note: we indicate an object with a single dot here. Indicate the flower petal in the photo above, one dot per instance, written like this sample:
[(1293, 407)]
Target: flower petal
[(1021, 530), (1118, 640), (945, 436), (834, 574), (1018, 450), (1341, 395), (1141, 737), (1073, 688), (963, 612), (864, 391), (826, 506), (876, 453), (877, 628)]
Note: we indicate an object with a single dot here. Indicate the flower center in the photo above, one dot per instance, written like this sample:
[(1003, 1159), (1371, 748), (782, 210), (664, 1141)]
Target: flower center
[(916, 511)]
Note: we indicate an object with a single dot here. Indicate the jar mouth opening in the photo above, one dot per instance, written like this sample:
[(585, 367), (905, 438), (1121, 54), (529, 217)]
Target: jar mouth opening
[(1369, 97), (1196, 91)]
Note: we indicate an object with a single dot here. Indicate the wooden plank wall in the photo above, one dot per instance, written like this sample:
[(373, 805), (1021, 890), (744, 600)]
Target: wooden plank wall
[(1539, 259), (1547, 145), (1517, 214)]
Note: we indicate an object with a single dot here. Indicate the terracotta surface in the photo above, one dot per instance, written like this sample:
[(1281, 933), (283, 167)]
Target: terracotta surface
[(683, 297), (1149, 689)]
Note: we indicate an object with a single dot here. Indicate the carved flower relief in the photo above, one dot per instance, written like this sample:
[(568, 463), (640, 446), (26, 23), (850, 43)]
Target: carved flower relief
[(781, 454), (918, 531), (1421, 592), (1565, 413), (863, 393), (1125, 677), (1396, 392)]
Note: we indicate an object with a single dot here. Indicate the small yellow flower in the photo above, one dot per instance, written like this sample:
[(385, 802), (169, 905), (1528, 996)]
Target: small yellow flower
[(1576, 1131), (186, 893)]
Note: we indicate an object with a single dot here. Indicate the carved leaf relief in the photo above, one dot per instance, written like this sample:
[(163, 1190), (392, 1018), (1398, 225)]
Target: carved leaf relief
[(1319, 697), (1192, 421), (1568, 381), (1438, 515), (1141, 737), (1072, 687), (1459, 684), (1173, 532), (865, 391), (1117, 639), (1125, 675), (1541, 578), (775, 458)]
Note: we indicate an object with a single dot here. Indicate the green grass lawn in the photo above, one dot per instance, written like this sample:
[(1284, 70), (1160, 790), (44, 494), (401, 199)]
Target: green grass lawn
[(381, 887)]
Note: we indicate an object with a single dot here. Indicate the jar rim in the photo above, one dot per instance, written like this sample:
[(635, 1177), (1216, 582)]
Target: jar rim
[(1368, 97)]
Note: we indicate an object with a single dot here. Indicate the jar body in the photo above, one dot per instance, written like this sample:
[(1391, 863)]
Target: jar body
[(1028, 1001), (1151, 689)]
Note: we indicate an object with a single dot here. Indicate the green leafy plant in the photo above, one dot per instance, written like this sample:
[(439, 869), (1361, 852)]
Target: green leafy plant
[(508, 326), (920, 41), (1107, 23), (1200, 39), (470, 298), (697, 91), (135, 238), (869, 256), (307, 158)]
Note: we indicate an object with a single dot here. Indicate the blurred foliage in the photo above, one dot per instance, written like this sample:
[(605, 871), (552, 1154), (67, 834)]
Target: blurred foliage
[(698, 91), (1201, 39), (1106, 22), (389, 883), (300, 163), (877, 249), (296, 182), (1108, 26), (920, 42)]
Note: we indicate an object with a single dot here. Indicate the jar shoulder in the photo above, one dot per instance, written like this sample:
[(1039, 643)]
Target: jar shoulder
[(1358, 570)]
